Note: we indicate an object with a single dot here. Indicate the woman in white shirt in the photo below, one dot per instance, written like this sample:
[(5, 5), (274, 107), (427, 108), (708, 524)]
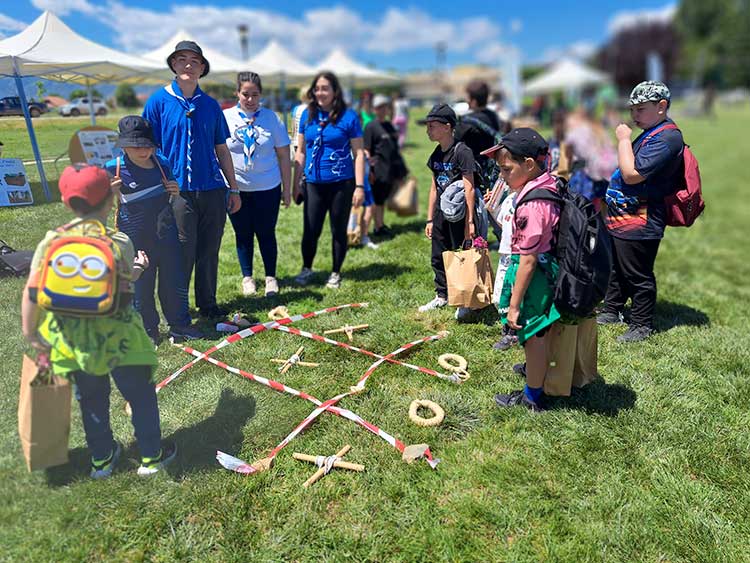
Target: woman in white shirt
[(259, 144)]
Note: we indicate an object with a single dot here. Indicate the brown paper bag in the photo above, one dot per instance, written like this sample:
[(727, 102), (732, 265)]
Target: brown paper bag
[(403, 200), (585, 369), (43, 417), (354, 228), (560, 343), (469, 277)]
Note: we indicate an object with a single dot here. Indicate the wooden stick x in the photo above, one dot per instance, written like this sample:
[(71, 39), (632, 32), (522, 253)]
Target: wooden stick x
[(347, 329)]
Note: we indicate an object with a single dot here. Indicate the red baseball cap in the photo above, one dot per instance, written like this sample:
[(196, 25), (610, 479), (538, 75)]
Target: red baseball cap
[(90, 183)]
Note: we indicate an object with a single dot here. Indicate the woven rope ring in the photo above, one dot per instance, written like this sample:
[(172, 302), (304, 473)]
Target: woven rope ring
[(437, 410)]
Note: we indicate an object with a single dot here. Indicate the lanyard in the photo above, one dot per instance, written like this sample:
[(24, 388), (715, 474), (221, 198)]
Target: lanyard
[(249, 133)]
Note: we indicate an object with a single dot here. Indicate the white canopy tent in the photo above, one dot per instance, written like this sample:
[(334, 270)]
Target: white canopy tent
[(347, 68), (222, 67), (565, 75), (50, 49), (275, 60)]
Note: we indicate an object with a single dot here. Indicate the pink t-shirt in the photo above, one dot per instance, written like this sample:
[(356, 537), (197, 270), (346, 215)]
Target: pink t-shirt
[(536, 220)]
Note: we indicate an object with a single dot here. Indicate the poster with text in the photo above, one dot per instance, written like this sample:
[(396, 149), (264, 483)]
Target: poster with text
[(98, 146), (14, 183)]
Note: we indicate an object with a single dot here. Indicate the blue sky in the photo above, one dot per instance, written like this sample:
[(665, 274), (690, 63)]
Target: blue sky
[(391, 35)]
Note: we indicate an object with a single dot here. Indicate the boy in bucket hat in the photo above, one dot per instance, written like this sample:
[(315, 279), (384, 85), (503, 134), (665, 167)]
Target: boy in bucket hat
[(450, 161), (146, 187), (87, 350), (190, 129), (649, 170)]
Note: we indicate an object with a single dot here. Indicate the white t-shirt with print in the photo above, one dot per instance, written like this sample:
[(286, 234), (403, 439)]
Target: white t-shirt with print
[(262, 170), (507, 209)]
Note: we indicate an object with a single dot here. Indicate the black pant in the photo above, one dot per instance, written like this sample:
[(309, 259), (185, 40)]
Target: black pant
[(335, 198), (445, 236), (200, 220), (633, 277), (257, 218)]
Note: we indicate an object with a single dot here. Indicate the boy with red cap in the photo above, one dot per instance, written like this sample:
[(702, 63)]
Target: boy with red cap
[(90, 349)]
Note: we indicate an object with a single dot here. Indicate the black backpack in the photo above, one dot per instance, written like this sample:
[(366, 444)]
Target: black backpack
[(583, 249)]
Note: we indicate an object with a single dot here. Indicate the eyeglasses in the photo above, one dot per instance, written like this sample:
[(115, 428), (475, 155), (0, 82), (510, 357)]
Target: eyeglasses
[(67, 265)]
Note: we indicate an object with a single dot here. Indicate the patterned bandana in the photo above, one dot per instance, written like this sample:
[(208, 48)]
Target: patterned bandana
[(174, 90), (249, 133), (317, 148)]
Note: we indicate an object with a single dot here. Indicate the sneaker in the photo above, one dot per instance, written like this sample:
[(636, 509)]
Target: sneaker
[(190, 332), (367, 242), (520, 369), (101, 469), (464, 314), (213, 312), (152, 465), (505, 343), (272, 286), (154, 335), (517, 399), (436, 303), (636, 333), (334, 281), (248, 286), (304, 277), (383, 232), (607, 318)]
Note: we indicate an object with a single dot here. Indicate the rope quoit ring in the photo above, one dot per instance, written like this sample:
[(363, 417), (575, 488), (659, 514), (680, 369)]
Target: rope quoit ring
[(454, 363), (437, 410)]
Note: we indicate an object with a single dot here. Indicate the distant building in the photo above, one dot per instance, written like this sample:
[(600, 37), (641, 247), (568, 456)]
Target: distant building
[(54, 102)]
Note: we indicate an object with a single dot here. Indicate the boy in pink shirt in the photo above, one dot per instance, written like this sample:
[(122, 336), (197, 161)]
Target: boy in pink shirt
[(526, 304)]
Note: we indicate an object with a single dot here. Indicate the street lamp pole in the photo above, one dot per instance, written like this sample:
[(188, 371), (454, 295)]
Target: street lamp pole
[(244, 32)]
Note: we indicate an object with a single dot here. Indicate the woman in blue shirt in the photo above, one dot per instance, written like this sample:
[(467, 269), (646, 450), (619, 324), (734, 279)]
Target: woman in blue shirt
[(330, 155)]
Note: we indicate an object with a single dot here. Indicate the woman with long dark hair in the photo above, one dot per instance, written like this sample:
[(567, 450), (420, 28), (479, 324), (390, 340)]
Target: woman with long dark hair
[(330, 155), (259, 145)]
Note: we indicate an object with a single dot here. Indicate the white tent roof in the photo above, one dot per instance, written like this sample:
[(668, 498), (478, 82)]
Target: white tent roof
[(344, 66), (275, 59), (565, 74), (50, 49), (220, 64)]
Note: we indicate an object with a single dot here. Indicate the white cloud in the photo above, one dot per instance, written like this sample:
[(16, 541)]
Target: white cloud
[(627, 19), (63, 7), (579, 50), (8, 24), (516, 25), (492, 53)]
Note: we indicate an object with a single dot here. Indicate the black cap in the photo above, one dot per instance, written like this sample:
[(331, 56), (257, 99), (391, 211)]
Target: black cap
[(188, 46), (135, 132), (523, 142), (442, 113)]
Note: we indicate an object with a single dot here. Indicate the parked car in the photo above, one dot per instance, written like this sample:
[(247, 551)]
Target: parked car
[(12, 106), (80, 106)]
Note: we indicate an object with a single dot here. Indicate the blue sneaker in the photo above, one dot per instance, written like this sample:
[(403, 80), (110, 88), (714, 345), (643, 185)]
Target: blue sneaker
[(102, 469)]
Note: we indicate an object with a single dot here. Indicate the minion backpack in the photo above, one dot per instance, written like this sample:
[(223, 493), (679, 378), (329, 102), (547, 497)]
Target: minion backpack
[(83, 273)]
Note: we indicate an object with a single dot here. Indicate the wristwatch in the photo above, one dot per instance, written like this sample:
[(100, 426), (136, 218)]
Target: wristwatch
[(236, 192)]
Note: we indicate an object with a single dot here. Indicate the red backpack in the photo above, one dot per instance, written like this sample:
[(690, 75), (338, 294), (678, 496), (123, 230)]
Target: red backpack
[(686, 203)]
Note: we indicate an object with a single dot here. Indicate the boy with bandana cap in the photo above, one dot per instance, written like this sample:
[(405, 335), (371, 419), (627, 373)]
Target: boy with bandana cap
[(649, 170)]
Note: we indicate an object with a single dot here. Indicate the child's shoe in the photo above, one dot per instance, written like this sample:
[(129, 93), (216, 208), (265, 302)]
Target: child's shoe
[(152, 465), (436, 303), (102, 469), (608, 318), (505, 343), (367, 242), (635, 334), (248, 286), (334, 281), (517, 399), (272, 286), (180, 333)]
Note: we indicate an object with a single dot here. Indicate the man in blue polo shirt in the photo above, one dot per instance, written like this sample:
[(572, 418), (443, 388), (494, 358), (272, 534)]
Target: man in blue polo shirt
[(190, 128)]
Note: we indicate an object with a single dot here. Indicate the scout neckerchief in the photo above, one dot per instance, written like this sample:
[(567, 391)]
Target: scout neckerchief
[(189, 106), (249, 133), (317, 147)]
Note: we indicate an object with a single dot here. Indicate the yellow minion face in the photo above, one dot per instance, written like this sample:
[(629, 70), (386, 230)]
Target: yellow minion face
[(77, 274)]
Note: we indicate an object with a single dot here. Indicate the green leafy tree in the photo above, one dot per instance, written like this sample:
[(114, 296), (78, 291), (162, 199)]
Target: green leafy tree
[(80, 93), (125, 96)]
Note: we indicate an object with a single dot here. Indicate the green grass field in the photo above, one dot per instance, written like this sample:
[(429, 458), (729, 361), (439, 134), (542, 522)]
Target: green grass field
[(648, 464)]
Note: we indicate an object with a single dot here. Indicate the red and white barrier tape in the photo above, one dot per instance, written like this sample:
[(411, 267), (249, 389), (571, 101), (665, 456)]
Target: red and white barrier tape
[(252, 331)]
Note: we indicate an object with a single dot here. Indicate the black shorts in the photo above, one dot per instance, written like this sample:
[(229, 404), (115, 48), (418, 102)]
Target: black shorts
[(381, 191)]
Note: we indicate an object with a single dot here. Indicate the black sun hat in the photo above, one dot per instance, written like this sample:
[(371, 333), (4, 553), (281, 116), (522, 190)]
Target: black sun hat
[(193, 47), (135, 132), (441, 113), (523, 142)]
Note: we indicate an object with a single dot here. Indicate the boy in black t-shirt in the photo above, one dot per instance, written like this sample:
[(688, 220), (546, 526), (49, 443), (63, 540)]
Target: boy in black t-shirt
[(648, 171), (450, 161)]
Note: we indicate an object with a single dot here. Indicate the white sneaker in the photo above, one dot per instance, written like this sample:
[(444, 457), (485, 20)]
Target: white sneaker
[(304, 277), (248, 286), (272, 286), (434, 304), (366, 241), (334, 281)]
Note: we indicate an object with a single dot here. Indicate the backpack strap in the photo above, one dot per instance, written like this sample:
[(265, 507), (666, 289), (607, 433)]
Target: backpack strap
[(540, 194), (652, 134), (161, 170), (470, 119)]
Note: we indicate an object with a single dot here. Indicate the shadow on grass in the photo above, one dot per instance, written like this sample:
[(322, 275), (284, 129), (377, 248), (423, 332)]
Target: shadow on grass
[(413, 226), (196, 446), (598, 397), (376, 271), (669, 315)]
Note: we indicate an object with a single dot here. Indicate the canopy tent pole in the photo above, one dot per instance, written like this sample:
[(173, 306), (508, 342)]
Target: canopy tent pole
[(91, 102), (30, 129)]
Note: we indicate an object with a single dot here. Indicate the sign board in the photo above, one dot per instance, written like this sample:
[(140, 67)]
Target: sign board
[(98, 146), (14, 183)]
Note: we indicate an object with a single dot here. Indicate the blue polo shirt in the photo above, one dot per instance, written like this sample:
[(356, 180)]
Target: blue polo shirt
[(330, 159), (167, 112)]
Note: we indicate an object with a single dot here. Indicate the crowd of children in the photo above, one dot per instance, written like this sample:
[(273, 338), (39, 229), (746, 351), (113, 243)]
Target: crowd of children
[(143, 185)]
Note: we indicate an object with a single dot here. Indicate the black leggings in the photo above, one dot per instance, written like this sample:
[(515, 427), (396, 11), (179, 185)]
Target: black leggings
[(336, 199)]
